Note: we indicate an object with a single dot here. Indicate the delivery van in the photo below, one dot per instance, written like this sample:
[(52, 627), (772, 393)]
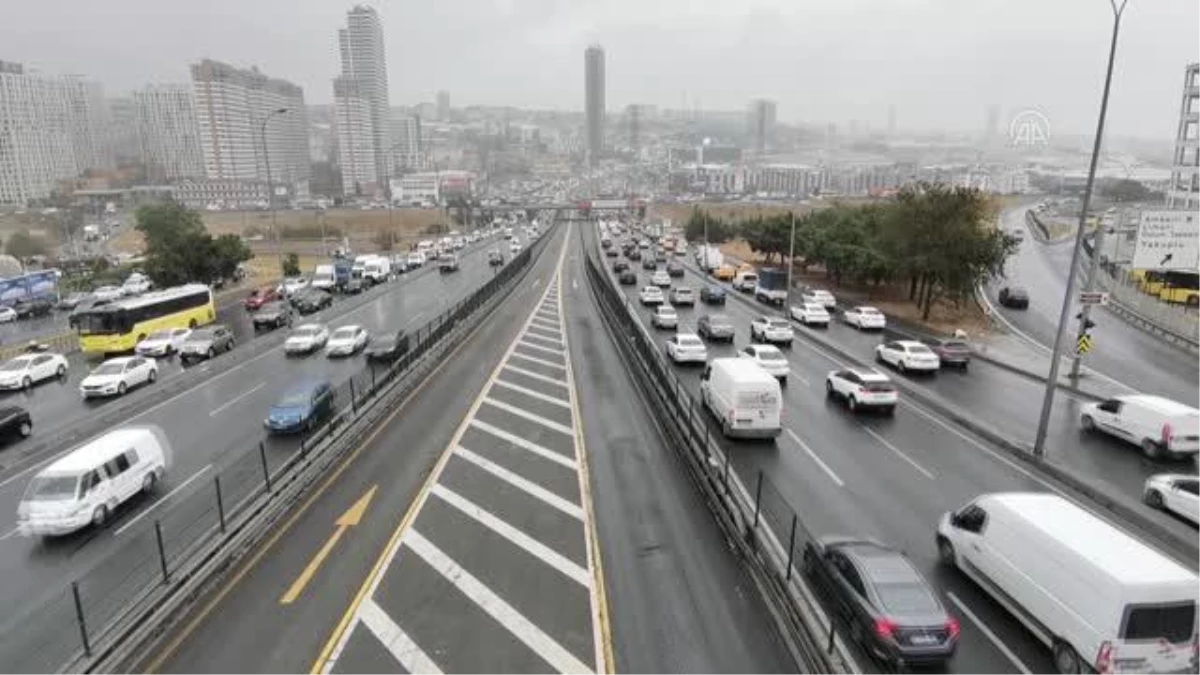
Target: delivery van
[(1158, 425), (1098, 598), (87, 485), (745, 398)]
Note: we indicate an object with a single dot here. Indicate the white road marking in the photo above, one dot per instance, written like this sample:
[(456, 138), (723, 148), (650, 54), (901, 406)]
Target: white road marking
[(543, 338), (536, 449), (225, 406), (504, 614), (548, 350), (395, 640), (536, 376), (885, 443), (535, 394), (833, 476), (962, 607), (535, 359), (164, 499), (520, 482), (546, 324), (532, 546), (10, 533), (532, 417)]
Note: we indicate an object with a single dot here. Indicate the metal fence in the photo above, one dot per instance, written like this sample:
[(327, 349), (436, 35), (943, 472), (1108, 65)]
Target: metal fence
[(66, 622)]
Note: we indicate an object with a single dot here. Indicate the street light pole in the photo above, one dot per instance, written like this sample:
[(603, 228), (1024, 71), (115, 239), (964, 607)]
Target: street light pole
[(791, 263), (1039, 442), (270, 184)]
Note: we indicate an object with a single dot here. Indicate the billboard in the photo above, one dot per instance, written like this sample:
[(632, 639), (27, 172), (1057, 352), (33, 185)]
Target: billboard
[(1167, 240), (40, 284)]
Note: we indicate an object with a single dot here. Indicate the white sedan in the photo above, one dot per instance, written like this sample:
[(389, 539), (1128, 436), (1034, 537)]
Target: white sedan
[(651, 295), (163, 342), (661, 279), (769, 358), (765, 328), (119, 375), (108, 293), (346, 341), (687, 348), (292, 284), (1176, 493), (24, 371), (864, 318), (7, 314), (811, 314), (908, 355), (820, 297), (306, 338), (665, 317)]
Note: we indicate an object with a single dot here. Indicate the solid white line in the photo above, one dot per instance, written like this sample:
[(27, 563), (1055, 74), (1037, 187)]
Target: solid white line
[(225, 406), (164, 498), (394, 639), (505, 614), (536, 376), (815, 458), (548, 350), (10, 533), (884, 442), (988, 632), (543, 338), (532, 417), (535, 394), (528, 486), (532, 546), (535, 359), (528, 445)]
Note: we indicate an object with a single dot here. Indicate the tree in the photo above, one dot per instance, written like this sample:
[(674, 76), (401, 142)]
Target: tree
[(718, 230), (291, 265), (22, 245), (229, 251), (383, 239), (178, 249)]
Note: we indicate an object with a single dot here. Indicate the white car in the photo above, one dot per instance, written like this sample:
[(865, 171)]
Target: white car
[(108, 293), (651, 295), (862, 388), (687, 348), (292, 284), (23, 371), (306, 338), (907, 355), (864, 318), (163, 342), (770, 358), (683, 295), (346, 341), (7, 314), (665, 317), (765, 328), (136, 284), (661, 279), (1174, 492), (514, 248), (116, 376), (811, 314), (819, 296)]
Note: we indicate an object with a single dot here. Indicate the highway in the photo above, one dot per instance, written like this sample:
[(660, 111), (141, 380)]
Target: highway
[(211, 424), (519, 515)]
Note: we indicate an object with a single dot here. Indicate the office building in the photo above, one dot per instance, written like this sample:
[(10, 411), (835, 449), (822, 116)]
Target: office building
[(168, 134), (124, 145), (443, 106), (1184, 189), (593, 76), (406, 154), (760, 125), (365, 84)]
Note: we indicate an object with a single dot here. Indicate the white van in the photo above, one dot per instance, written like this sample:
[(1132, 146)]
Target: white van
[(416, 259), (1097, 597), (744, 397), (86, 485), (745, 281), (1159, 425)]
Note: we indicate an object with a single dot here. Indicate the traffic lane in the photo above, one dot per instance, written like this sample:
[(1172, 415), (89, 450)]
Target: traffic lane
[(395, 461), (24, 330), (678, 601), (828, 456)]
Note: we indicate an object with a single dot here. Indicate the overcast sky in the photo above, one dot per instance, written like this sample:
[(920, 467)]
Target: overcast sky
[(940, 62)]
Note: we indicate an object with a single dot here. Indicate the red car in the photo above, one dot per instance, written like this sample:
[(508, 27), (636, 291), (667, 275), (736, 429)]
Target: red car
[(261, 296)]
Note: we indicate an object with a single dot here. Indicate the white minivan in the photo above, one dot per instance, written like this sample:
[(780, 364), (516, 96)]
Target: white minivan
[(745, 398), (1158, 425), (1101, 600), (85, 486)]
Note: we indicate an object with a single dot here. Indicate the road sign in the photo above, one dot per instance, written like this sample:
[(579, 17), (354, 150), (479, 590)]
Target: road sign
[(1167, 240), (1084, 344), (1093, 298)]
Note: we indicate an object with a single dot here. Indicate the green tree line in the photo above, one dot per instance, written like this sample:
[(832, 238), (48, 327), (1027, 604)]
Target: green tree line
[(180, 250), (939, 240)]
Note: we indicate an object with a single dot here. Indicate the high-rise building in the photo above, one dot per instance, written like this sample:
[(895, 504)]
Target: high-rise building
[(355, 133), (364, 79), (89, 125), (1184, 190), (760, 124), (124, 145), (232, 106), (593, 81), (443, 105), (406, 143), (168, 133)]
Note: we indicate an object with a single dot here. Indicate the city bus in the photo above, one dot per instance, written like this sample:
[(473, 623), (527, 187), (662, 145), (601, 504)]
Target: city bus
[(1171, 286), (117, 326)]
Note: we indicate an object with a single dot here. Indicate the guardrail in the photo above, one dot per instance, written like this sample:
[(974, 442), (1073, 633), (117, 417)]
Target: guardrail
[(99, 619)]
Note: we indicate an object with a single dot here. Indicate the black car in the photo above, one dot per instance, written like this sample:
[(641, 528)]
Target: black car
[(15, 421), (1014, 297), (310, 300), (272, 315), (610, 252), (388, 347), (715, 327), (353, 285), (884, 601), (627, 278), (495, 258), (27, 308), (674, 269), (620, 266), (634, 254), (712, 295), (649, 264)]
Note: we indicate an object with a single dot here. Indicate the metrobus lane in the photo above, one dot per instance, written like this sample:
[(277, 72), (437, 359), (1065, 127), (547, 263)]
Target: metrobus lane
[(492, 568)]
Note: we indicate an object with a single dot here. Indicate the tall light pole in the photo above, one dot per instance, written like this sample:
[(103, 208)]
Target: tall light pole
[(1039, 442), (270, 185), (791, 264)]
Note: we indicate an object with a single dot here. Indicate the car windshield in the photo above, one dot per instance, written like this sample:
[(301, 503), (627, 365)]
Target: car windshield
[(344, 333), (814, 308), (109, 369), (771, 355), (906, 598), (384, 341), (690, 341), (305, 331), (272, 307), (867, 310), (919, 349), (202, 335), (720, 322), (296, 397), (778, 323), (20, 363), (159, 335), (954, 344), (52, 488)]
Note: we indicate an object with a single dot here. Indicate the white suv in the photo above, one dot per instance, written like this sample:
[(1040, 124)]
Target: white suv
[(862, 388), (907, 355), (771, 329)]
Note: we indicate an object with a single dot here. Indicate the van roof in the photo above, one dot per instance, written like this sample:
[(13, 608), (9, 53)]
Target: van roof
[(1109, 548), (1159, 404), (744, 370), (99, 450)]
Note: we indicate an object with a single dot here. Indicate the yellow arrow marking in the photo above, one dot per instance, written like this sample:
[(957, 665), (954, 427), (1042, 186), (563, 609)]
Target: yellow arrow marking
[(353, 516)]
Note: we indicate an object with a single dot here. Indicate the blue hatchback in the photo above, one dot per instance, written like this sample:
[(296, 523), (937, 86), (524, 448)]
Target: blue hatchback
[(301, 407)]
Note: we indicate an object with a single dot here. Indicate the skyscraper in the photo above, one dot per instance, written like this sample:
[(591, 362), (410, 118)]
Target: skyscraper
[(443, 105), (406, 141), (364, 77), (761, 124), (168, 133), (593, 76), (355, 132), (1184, 191)]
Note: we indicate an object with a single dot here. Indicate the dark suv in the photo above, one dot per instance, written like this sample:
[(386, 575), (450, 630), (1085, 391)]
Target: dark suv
[(273, 315), (205, 343), (32, 307)]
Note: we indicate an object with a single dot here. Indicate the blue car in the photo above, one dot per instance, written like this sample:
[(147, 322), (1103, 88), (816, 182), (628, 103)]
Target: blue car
[(301, 408)]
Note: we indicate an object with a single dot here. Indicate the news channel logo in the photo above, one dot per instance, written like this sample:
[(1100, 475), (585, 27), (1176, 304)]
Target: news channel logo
[(1029, 129)]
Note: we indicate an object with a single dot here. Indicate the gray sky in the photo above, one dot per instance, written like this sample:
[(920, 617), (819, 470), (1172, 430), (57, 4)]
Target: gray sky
[(940, 62)]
